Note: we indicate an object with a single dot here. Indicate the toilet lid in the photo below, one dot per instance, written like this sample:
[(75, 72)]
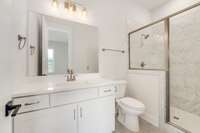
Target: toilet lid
[(132, 103)]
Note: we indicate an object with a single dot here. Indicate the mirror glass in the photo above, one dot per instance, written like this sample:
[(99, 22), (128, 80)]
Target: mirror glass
[(56, 45)]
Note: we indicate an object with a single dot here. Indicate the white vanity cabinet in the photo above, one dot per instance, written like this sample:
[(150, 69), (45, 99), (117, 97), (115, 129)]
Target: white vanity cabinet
[(53, 120), (97, 116), (80, 111)]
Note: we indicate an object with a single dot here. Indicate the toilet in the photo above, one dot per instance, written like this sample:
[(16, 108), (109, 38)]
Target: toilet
[(128, 109)]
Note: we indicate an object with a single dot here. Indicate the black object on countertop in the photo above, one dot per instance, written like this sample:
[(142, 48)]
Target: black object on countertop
[(9, 107)]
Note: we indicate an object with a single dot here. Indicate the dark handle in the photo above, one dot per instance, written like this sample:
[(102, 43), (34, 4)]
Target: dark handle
[(17, 107), (10, 107), (32, 49), (29, 104)]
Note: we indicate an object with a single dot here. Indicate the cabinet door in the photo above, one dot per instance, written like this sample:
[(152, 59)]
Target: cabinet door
[(97, 116), (55, 120)]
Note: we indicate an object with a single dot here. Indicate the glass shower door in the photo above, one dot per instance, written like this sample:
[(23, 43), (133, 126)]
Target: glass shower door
[(184, 71)]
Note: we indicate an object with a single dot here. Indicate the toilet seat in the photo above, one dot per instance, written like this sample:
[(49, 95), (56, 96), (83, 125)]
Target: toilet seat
[(132, 103)]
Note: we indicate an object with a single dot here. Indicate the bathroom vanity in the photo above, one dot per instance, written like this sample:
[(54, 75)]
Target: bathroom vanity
[(74, 107), (51, 104)]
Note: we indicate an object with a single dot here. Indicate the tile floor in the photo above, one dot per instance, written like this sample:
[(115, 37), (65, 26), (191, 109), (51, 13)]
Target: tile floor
[(145, 127)]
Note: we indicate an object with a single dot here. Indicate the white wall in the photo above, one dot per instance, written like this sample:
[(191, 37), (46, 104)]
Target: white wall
[(6, 58), (148, 87), (19, 22), (171, 7), (11, 60)]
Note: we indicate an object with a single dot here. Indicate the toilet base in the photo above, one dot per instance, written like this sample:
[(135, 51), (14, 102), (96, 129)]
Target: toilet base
[(129, 121)]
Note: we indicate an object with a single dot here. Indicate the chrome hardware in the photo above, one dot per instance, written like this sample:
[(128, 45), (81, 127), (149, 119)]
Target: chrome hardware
[(114, 50), (74, 114), (70, 75), (81, 112), (33, 49), (21, 44), (108, 90), (142, 64), (33, 103)]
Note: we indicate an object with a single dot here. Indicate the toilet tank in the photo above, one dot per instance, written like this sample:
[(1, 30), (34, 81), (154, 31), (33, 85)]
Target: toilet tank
[(121, 87)]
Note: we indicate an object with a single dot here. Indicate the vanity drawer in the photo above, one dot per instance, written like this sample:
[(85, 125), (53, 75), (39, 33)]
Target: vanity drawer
[(32, 103), (107, 91), (73, 96)]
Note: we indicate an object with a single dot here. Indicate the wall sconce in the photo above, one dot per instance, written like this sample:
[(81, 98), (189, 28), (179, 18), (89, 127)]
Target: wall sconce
[(55, 3)]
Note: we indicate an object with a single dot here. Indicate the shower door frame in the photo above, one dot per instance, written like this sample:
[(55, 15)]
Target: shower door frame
[(166, 21), (166, 44)]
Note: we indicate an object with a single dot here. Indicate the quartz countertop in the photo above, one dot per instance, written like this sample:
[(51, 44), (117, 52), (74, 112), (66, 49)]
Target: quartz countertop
[(55, 84)]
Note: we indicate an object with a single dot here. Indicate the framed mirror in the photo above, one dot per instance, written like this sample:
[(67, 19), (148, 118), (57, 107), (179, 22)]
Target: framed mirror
[(56, 45)]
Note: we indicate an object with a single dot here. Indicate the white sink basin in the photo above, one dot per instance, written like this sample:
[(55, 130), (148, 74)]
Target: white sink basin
[(70, 83), (80, 82)]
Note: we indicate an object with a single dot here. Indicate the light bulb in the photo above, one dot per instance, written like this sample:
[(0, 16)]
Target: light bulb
[(84, 12), (55, 3), (66, 5), (70, 6)]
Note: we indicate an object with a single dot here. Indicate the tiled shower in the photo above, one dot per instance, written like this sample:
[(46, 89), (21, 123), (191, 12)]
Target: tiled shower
[(185, 68), (148, 47), (173, 45)]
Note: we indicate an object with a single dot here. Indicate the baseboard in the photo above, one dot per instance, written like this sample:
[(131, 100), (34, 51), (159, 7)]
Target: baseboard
[(151, 119)]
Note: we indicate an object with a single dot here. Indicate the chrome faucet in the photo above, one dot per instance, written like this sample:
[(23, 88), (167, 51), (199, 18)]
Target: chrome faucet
[(70, 75)]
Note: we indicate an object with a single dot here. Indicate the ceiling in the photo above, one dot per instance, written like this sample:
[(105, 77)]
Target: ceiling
[(151, 4)]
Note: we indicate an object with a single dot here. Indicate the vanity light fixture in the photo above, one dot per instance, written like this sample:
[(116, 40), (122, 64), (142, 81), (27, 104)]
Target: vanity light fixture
[(70, 6), (55, 3)]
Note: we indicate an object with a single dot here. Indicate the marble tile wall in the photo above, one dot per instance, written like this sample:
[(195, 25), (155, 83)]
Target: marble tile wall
[(185, 61), (148, 46)]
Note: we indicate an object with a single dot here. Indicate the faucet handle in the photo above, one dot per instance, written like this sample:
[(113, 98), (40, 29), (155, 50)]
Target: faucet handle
[(68, 70), (72, 71), (142, 64), (71, 76)]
